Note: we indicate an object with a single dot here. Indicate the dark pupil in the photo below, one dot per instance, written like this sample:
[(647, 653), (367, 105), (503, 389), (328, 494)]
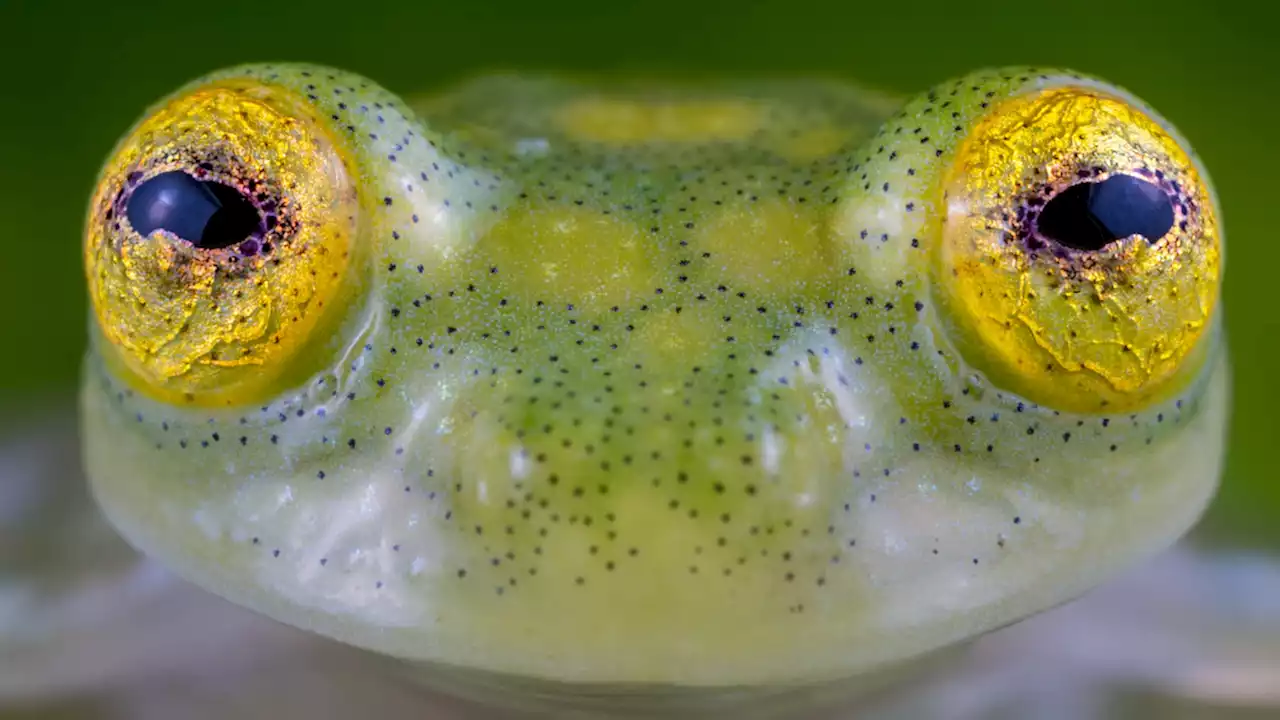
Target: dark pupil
[(1089, 215), (208, 215)]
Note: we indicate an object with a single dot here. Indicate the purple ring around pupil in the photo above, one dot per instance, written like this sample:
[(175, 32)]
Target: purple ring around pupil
[(207, 213), (1099, 209)]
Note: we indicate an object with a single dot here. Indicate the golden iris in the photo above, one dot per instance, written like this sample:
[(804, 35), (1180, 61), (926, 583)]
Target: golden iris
[(219, 234), (1080, 256)]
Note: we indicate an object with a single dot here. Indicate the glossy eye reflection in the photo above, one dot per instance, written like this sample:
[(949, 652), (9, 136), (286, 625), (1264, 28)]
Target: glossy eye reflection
[(220, 233), (1089, 215), (1079, 257), (209, 215)]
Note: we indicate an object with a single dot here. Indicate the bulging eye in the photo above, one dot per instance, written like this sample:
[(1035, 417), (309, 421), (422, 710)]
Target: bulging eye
[(219, 236), (1080, 255)]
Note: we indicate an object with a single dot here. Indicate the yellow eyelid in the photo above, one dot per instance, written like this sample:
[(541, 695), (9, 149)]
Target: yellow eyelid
[(1084, 330), (221, 325)]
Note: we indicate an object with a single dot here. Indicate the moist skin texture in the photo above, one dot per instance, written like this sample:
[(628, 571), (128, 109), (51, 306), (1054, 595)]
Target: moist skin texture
[(646, 385)]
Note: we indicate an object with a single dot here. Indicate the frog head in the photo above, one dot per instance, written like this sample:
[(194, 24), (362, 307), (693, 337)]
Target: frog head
[(691, 385)]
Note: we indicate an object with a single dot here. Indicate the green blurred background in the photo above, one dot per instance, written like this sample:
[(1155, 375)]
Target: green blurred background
[(78, 75)]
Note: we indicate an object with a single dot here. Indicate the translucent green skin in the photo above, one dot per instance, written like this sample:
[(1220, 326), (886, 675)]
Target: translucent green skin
[(584, 423)]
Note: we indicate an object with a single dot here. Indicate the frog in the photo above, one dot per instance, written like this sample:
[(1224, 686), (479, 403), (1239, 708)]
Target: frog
[(637, 395)]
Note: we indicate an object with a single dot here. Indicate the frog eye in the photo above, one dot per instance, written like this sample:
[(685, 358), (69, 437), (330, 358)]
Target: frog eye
[(218, 238), (1080, 255)]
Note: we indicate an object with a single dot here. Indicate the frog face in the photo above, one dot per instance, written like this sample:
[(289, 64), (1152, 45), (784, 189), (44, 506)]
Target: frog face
[(646, 383)]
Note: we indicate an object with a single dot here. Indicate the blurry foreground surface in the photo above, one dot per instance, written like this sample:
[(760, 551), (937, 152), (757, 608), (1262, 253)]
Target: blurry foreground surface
[(90, 630)]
